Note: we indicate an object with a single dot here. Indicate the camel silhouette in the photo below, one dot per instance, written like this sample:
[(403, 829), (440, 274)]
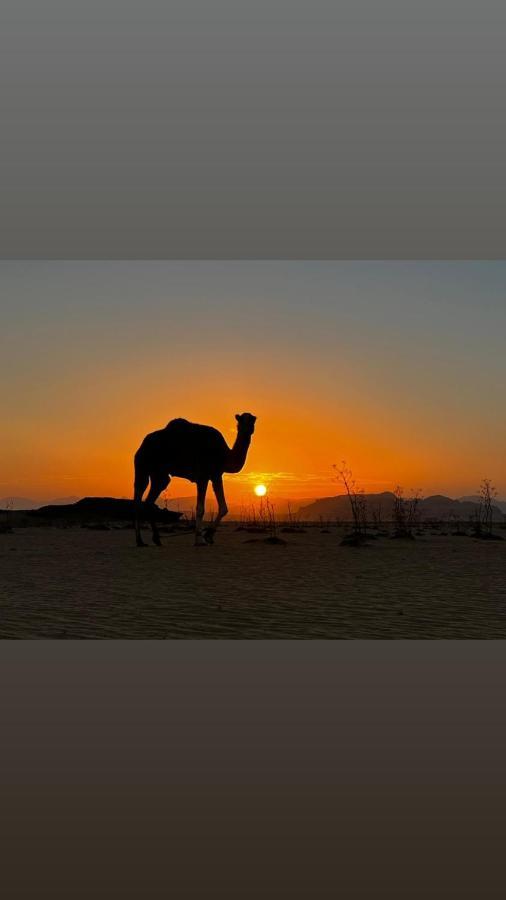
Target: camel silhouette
[(196, 452)]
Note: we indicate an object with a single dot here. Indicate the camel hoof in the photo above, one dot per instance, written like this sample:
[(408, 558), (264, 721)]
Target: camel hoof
[(141, 544), (209, 535), (201, 543), (157, 542)]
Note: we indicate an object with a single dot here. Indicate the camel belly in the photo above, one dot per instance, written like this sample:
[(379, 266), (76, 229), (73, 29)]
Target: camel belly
[(197, 473), (176, 471)]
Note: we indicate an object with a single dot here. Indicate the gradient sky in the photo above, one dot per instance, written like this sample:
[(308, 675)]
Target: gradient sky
[(397, 367)]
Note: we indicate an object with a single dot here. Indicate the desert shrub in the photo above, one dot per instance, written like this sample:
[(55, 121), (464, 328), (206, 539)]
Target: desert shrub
[(376, 517), (483, 518), (405, 512), (358, 506), (267, 517), (487, 495), (266, 524), (249, 520), (292, 519), (358, 502), (294, 525), (6, 524), (457, 525)]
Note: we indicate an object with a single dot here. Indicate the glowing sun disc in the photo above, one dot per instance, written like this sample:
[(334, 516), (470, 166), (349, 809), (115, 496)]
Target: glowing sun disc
[(260, 490)]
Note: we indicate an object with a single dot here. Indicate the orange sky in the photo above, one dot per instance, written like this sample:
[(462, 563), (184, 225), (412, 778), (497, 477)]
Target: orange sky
[(398, 370)]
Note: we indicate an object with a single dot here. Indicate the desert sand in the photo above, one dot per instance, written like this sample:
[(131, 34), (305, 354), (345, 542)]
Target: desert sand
[(78, 583)]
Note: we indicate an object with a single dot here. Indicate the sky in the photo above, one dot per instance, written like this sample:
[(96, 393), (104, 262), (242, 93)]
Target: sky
[(396, 367)]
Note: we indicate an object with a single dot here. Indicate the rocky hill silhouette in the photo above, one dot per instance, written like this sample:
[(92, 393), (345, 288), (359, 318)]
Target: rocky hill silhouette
[(100, 509)]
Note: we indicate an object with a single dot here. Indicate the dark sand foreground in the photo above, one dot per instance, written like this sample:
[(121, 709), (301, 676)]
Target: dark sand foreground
[(75, 583)]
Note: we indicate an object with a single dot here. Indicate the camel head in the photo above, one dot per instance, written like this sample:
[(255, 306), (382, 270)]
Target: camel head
[(246, 423)]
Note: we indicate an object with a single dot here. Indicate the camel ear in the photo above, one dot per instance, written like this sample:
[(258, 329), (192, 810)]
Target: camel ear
[(237, 415)]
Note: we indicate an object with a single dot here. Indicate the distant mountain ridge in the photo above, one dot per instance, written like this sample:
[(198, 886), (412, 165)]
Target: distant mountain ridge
[(24, 503), (17, 503), (435, 507), (282, 506), (475, 498)]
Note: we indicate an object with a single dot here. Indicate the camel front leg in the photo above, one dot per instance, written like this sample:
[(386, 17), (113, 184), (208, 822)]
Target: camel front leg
[(219, 493), (200, 540)]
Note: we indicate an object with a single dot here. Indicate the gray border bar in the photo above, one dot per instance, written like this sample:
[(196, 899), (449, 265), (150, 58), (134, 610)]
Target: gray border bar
[(253, 769), (191, 130)]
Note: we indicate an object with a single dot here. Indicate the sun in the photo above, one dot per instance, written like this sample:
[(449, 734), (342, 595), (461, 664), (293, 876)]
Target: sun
[(260, 490)]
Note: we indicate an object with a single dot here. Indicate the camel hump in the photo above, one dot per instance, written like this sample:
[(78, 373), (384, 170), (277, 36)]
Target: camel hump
[(178, 423), (190, 438), (185, 430)]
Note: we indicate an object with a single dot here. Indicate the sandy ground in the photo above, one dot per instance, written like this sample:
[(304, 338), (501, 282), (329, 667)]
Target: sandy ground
[(77, 583)]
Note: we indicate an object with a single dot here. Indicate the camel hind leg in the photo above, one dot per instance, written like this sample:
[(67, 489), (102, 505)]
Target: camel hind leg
[(200, 540), (159, 481), (222, 509), (140, 485)]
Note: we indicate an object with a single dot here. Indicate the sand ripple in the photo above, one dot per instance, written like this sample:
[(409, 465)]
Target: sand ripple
[(84, 584)]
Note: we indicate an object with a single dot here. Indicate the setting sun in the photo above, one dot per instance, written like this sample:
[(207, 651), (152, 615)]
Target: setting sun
[(260, 490)]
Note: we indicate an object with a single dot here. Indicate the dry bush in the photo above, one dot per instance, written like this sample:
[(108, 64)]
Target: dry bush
[(294, 525), (377, 518), (483, 518), (267, 517), (406, 512), (6, 525), (358, 504), (267, 525), (249, 521)]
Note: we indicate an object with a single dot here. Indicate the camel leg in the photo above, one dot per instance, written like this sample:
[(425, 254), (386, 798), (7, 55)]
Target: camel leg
[(222, 509), (141, 483), (159, 481), (200, 540)]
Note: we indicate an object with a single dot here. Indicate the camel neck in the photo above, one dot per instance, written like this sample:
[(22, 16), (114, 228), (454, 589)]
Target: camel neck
[(238, 453)]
